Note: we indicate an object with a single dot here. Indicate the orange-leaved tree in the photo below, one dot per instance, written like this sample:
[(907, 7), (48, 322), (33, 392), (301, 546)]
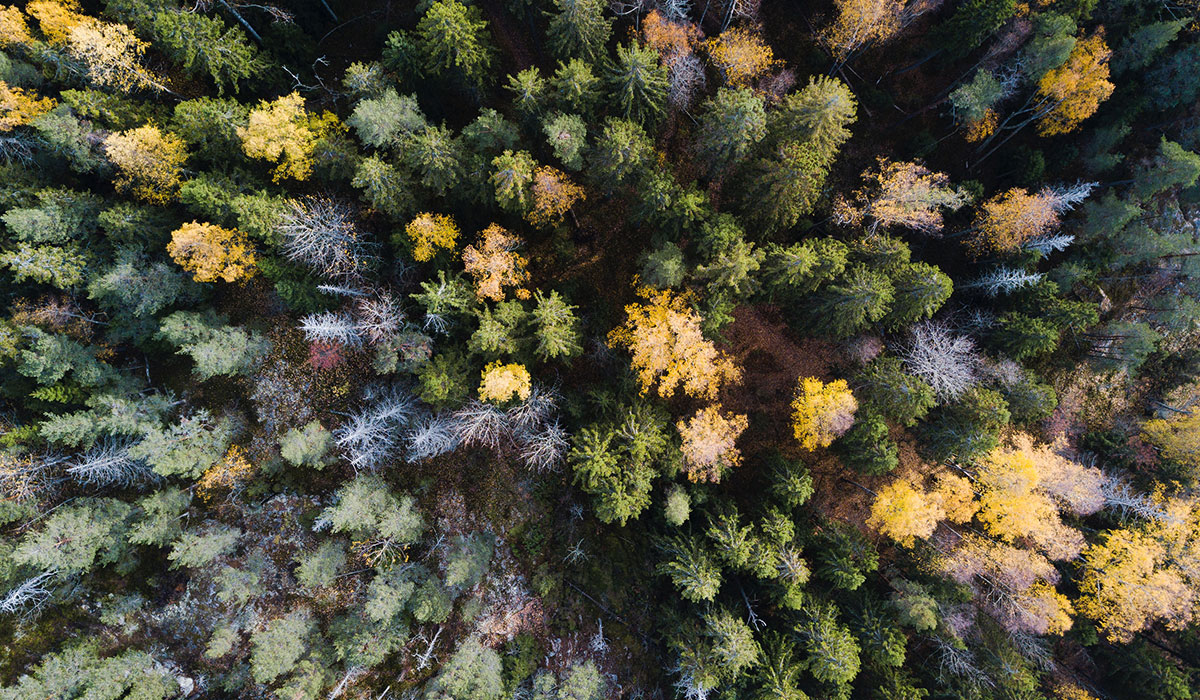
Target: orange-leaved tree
[(669, 349), (740, 56)]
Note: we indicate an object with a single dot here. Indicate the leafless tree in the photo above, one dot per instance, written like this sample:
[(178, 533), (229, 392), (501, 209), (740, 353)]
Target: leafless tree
[(380, 317), (1064, 197), (948, 362), (544, 450), (533, 413), (960, 662), (430, 436), (1049, 244), (322, 234), (29, 596), (481, 424), (685, 80), (1004, 280), (1123, 498), (373, 435), (108, 463), (331, 326)]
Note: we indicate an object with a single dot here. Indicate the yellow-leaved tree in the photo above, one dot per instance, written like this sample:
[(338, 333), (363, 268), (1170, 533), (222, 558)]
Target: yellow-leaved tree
[(669, 349), (1009, 219), (211, 253), (149, 162), (1073, 91), (495, 264), (428, 232), (14, 30), (740, 56), (901, 194), (822, 412), (226, 475), (18, 107), (283, 132), (56, 18), (502, 383), (1177, 438), (710, 442), (553, 196), (1147, 573), (904, 513)]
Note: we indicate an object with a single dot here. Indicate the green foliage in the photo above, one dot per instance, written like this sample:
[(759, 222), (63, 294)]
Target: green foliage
[(733, 121), (386, 121), (472, 673), (186, 448), (691, 568), (884, 387), (861, 297), (321, 566), (445, 381), (366, 507), (217, 349), (867, 446), (279, 645), (78, 672), (203, 44), (578, 28), (454, 41), (468, 559), (567, 136), (678, 506), (556, 329), (199, 548), (87, 534), (308, 446), (638, 83)]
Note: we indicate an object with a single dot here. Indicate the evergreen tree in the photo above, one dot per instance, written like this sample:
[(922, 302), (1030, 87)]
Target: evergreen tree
[(578, 29), (454, 40), (733, 121), (638, 84)]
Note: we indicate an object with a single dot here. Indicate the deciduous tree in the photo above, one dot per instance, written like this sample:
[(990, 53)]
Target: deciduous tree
[(821, 412), (210, 252)]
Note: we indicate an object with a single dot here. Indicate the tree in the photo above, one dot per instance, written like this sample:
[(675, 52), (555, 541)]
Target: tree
[(555, 327), (78, 671), (455, 41), (281, 131), (621, 152), (740, 56), (437, 158), (621, 490), (862, 23), (468, 560), (1177, 438), (110, 56), (308, 446), (885, 388), (430, 231), (1009, 219), (322, 234), (210, 252), (639, 83), (1073, 91), (691, 568), (863, 296), (576, 88), (949, 363), (831, 648), (528, 89), (734, 121), (567, 135), (513, 180), (77, 538), (366, 508), (920, 290), (384, 186), (472, 673), (149, 162), (553, 196), (387, 120), (868, 448), (819, 115), (669, 349), (501, 383), (901, 194), (216, 348), (821, 412), (970, 426), (578, 29), (709, 439), (278, 647), (495, 265), (1021, 336), (204, 44)]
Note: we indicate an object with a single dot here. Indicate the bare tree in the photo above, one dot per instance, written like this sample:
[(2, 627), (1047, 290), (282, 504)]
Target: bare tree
[(322, 234), (481, 424), (331, 326), (1120, 495), (545, 449), (430, 436), (948, 362), (30, 595), (1049, 244), (373, 435), (380, 317), (1004, 280), (685, 80), (108, 463)]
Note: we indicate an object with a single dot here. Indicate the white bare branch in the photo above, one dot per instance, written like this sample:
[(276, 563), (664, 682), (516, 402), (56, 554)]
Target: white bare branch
[(948, 362)]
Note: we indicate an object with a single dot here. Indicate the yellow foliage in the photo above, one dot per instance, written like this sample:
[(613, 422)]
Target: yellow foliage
[(18, 107), (1070, 691), (822, 412), (501, 383), (56, 18), (1177, 438), (495, 265), (232, 470), (553, 195), (210, 252), (283, 133), (111, 56), (904, 514), (955, 496), (149, 162), (861, 23), (1009, 219), (709, 442), (14, 31), (740, 55), (430, 231), (668, 347), (983, 127), (1077, 87)]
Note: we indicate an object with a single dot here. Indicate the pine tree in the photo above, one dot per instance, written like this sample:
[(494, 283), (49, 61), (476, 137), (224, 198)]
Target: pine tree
[(862, 296), (638, 82), (455, 41), (732, 123), (578, 29)]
